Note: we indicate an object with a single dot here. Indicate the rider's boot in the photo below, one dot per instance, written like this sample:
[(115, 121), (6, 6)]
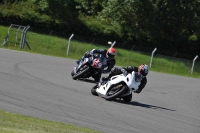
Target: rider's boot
[(96, 78), (77, 62), (104, 78)]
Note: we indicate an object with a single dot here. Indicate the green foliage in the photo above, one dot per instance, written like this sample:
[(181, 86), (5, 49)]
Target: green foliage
[(43, 5), (193, 37), (89, 7), (19, 11), (165, 24), (100, 29), (120, 13)]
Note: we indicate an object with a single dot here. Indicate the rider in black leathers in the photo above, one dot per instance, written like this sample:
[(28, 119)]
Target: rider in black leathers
[(108, 61), (141, 77)]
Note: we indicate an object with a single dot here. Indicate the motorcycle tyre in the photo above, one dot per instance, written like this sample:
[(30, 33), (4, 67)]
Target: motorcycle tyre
[(116, 95), (81, 74), (72, 73), (127, 98), (93, 90)]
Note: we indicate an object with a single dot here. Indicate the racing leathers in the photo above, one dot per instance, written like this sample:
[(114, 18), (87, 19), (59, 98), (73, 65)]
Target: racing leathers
[(107, 64), (129, 69)]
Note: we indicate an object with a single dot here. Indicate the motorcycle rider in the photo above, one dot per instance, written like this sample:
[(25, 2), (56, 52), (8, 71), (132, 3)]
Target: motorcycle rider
[(141, 73), (107, 58)]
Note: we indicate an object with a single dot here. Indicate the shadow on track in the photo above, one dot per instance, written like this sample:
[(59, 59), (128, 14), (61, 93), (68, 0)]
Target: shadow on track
[(134, 103), (87, 80)]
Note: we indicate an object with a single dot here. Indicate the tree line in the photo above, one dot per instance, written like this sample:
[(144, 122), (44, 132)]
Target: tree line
[(170, 25)]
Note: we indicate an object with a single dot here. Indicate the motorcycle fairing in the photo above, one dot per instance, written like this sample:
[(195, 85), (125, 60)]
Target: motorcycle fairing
[(81, 64), (129, 80)]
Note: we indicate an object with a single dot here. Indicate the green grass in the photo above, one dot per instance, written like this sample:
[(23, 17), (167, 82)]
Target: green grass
[(14, 123)]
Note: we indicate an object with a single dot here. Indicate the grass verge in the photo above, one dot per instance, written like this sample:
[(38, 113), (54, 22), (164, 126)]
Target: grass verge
[(14, 123)]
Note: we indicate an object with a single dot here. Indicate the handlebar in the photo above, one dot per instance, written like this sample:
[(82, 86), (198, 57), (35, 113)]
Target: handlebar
[(124, 72)]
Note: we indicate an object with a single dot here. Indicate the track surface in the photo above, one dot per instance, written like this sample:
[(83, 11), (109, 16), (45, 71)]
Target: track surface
[(41, 86)]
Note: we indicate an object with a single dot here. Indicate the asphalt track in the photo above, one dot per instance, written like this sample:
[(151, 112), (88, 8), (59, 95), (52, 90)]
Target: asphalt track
[(41, 86)]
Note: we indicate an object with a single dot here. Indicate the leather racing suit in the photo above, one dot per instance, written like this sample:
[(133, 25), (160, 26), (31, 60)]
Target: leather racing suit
[(107, 64)]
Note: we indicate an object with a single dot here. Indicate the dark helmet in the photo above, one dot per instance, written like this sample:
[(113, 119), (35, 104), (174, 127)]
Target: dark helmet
[(111, 53), (143, 69)]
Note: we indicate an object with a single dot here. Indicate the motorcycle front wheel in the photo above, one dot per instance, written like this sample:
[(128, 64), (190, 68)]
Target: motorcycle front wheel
[(72, 73), (82, 73), (115, 92), (93, 90)]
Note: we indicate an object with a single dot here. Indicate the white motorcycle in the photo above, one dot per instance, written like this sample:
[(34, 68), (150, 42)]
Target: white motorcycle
[(118, 86)]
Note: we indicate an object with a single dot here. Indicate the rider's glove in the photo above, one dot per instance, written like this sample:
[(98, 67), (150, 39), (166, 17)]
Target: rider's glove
[(124, 72), (92, 52), (87, 54), (137, 91)]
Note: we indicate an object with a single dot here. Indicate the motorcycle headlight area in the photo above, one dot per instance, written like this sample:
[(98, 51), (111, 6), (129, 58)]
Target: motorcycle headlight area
[(99, 65)]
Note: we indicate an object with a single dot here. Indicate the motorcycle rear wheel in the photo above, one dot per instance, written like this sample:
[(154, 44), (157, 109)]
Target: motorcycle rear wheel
[(127, 98), (115, 94)]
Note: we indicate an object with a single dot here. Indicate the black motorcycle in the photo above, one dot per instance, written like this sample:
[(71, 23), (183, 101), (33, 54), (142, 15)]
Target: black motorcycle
[(87, 67)]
